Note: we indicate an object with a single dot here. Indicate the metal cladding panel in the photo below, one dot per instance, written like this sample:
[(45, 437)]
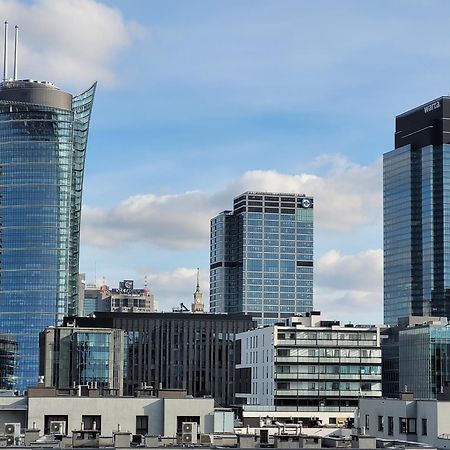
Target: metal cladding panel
[(38, 94), (426, 125)]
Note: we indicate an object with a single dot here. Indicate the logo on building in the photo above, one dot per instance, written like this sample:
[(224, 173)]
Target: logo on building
[(431, 107)]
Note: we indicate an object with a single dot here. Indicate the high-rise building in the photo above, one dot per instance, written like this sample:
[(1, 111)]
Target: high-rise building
[(261, 256), (43, 136), (417, 214)]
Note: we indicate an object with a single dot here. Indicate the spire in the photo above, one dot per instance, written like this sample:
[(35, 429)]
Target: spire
[(197, 305)]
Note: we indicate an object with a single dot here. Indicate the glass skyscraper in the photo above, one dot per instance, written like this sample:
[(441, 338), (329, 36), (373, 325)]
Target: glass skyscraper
[(261, 257), (416, 181), (43, 136)]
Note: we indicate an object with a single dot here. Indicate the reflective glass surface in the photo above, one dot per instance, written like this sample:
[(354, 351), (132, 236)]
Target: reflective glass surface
[(262, 261), (417, 232), (41, 170)]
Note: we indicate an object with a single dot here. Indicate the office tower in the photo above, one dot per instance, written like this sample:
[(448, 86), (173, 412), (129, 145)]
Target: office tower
[(417, 215), (43, 136), (261, 256)]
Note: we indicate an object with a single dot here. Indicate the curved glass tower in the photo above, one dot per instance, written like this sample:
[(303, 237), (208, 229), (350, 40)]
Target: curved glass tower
[(43, 136)]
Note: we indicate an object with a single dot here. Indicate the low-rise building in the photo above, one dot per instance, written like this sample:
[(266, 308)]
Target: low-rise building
[(406, 419), (309, 366)]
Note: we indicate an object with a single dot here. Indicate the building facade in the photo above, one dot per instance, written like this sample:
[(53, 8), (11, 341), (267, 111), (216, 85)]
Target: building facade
[(261, 257), (416, 180), (407, 419), (309, 366), (415, 357), (83, 356), (187, 351), (8, 362), (43, 136), (125, 298)]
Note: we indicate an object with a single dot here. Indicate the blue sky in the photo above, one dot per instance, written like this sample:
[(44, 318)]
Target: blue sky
[(199, 100)]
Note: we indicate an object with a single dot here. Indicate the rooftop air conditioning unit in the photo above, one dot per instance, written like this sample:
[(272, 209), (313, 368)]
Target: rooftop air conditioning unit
[(12, 429), (58, 427), (189, 433), (12, 432)]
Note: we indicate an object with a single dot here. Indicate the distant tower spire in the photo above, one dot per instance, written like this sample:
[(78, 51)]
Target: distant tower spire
[(197, 305), (5, 53)]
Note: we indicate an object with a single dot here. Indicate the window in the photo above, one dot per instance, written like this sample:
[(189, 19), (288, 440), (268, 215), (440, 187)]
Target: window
[(402, 425), (380, 423), (412, 428), (390, 426), (142, 425), (367, 421), (424, 427), (407, 425), (92, 423)]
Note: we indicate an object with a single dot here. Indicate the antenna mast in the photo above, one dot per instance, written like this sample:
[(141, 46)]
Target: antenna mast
[(5, 53), (16, 49)]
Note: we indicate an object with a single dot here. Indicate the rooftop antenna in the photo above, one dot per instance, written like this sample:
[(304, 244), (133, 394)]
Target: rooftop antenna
[(5, 53), (16, 49)]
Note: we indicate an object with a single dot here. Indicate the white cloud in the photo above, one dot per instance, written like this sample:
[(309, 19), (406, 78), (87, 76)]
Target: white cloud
[(69, 41), (350, 286), (348, 196)]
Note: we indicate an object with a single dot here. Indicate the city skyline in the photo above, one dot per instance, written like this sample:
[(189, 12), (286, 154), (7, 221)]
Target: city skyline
[(213, 100)]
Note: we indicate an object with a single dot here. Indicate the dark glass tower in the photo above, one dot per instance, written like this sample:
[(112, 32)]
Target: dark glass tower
[(416, 182), (43, 136), (261, 257)]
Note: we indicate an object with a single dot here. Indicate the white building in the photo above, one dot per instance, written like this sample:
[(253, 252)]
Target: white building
[(406, 419), (78, 409), (310, 366)]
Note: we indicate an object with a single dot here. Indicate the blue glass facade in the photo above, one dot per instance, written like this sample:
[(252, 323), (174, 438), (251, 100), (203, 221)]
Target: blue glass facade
[(92, 357), (261, 257), (417, 215), (424, 361), (43, 134)]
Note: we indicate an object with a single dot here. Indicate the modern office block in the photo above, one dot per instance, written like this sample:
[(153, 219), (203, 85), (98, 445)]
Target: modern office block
[(8, 362), (416, 357), (261, 257), (43, 136), (72, 357), (416, 214), (308, 366), (192, 351)]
